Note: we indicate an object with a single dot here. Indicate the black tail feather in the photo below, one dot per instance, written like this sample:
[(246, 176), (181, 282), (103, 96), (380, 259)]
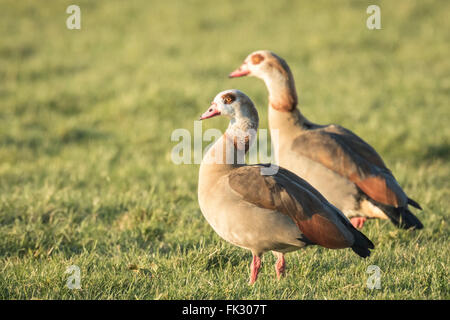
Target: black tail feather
[(408, 220), (414, 203), (362, 244), (403, 218), (362, 252)]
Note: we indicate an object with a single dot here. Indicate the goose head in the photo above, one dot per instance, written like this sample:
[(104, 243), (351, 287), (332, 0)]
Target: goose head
[(275, 72), (262, 64), (236, 106)]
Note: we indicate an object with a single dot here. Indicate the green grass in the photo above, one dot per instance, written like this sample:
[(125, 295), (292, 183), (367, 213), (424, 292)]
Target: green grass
[(85, 123)]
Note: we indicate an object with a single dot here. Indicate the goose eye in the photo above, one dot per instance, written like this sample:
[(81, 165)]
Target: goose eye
[(228, 98), (257, 58)]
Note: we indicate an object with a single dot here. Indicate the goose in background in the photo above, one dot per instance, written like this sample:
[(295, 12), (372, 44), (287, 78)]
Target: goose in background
[(334, 160)]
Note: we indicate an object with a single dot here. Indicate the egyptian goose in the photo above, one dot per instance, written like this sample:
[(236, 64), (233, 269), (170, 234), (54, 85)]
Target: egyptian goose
[(338, 163), (259, 210)]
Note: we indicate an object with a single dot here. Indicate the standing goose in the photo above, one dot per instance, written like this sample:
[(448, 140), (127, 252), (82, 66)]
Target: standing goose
[(279, 212), (338, 163)]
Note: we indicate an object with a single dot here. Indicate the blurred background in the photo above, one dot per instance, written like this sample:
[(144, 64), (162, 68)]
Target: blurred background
[(86, 116)]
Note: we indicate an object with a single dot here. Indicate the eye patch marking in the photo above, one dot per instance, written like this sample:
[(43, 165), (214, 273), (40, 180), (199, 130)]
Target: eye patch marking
[(257, 58), (228, 98)]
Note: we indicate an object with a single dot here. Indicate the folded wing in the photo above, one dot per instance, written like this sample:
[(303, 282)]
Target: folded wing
[(343, 152), (317, 219)]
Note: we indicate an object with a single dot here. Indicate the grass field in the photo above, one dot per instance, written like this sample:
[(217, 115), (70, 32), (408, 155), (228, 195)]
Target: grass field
[(86, 115)]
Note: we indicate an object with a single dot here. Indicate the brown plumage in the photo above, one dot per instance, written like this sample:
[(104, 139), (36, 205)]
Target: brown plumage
[(294, 197), (342, 166), (342, 151), (279, 212)]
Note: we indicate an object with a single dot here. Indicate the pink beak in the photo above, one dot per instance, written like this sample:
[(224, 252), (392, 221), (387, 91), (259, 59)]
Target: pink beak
[(211, 112), (241, 72)]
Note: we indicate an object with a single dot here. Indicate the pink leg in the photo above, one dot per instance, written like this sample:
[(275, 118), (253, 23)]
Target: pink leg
[(358, 222), (280, 265), (254, 269)]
